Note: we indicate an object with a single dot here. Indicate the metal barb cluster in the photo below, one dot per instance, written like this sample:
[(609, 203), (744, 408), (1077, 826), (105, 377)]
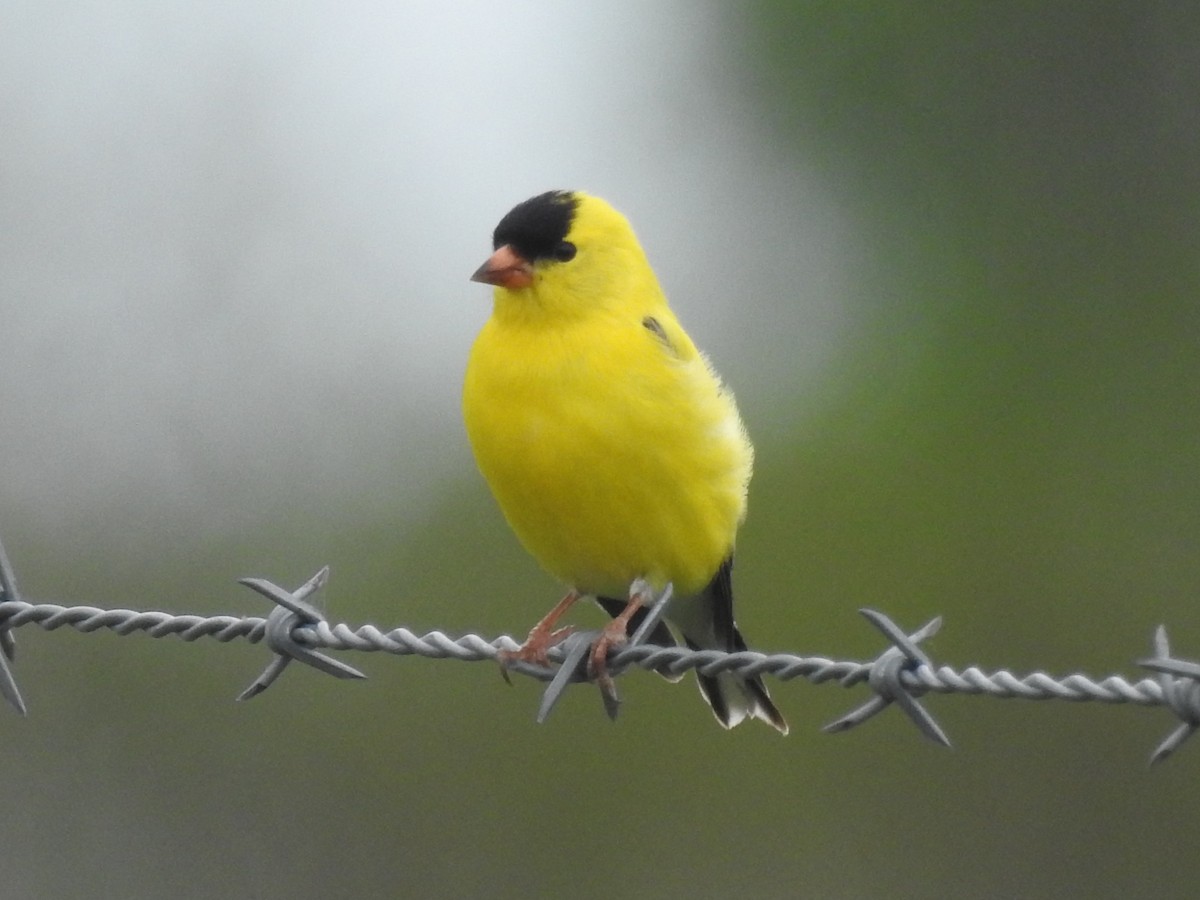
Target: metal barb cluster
[(1180, 694), (292, 612), (574, 664), (8, 644), (886, 678), (900, 675)]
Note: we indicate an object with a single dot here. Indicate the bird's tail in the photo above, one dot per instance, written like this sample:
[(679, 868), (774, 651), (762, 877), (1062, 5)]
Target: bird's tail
[(734, 697), (706, 622)]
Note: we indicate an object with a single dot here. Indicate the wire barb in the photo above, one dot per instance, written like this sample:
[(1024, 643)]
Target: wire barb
[(886, 678), (8, 644), (1181, 695), (291, 613), (575, 650)]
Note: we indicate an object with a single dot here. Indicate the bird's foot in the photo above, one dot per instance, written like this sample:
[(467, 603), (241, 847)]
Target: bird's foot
[(612, 637), (542, 637), (535, 649)]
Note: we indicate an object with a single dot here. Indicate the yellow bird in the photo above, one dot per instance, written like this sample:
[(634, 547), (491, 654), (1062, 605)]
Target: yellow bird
[(611, 445)]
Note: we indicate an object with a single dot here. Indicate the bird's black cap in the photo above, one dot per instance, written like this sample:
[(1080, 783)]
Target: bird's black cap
[(537, 227)]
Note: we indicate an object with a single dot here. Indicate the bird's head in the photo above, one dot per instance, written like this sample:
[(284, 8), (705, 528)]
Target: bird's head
[(567, 253)]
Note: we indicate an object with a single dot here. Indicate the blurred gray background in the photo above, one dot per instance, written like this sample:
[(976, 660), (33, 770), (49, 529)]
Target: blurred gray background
[(947, 258)]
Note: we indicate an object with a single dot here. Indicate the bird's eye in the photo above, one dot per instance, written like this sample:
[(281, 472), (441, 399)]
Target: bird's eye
[(564, 252)]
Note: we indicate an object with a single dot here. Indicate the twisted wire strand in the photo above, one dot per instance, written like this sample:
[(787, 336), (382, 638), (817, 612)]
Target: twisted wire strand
[(296, 631), (86, 619), (1001, 683)]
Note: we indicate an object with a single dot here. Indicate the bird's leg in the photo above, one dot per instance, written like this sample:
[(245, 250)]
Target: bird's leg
[(614, 634), (542, 637)]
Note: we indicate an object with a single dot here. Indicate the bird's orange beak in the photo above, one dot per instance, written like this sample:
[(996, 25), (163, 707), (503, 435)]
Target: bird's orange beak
[(505, 268)]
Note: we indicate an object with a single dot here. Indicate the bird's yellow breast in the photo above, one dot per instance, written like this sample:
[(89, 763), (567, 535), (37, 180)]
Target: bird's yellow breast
[(613, 453)]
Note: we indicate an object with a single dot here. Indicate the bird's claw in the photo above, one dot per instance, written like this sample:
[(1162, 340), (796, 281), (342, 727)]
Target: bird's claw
[(535, 649), (611, 638)]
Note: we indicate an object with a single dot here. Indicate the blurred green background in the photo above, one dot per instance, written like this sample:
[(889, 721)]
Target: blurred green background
[(947, 257)]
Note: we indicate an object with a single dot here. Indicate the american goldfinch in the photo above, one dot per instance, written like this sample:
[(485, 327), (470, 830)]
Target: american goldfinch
[(612, 447)]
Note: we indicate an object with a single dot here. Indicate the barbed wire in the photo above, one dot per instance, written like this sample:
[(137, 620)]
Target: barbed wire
[(296, 630)]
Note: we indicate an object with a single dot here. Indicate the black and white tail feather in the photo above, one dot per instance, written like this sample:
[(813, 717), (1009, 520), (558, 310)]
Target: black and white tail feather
[(706, 623)]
